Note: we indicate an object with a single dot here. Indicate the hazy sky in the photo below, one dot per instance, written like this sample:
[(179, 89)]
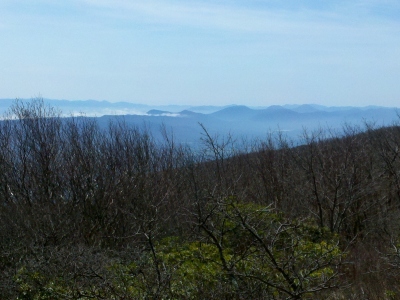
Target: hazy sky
[(253, 52)]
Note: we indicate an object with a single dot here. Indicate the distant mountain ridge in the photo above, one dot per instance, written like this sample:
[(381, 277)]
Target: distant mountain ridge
[(238, 120), (103, 107)]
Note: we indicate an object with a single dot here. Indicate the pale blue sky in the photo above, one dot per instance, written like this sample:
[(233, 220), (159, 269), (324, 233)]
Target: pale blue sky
[(251, 52)]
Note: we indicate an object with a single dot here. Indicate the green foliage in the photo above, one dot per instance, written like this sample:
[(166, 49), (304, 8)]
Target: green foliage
[(193, 266), (35, 286), (268, 251), (390, 294), (290, 259)]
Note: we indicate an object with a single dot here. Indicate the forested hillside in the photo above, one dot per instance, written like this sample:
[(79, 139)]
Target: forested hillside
[(93, 213)]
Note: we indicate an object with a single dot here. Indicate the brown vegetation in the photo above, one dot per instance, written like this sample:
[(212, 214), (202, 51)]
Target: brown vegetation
[(113, 214)]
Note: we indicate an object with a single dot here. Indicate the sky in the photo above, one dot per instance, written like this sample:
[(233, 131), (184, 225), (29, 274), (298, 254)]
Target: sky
[(160, 52)]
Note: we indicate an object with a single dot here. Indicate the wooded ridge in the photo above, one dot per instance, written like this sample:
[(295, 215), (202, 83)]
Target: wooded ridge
[(94, 213)]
